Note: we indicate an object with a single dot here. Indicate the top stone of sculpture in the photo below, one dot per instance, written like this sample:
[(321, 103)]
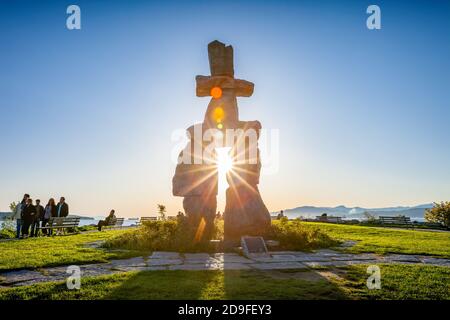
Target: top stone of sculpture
[(222, 73), (220, 59)]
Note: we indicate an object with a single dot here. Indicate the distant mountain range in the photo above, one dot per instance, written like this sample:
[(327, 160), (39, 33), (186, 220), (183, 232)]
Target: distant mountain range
[(356, 212)]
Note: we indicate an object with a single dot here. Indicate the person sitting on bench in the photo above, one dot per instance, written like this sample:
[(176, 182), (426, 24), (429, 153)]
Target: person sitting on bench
[(111, 219)]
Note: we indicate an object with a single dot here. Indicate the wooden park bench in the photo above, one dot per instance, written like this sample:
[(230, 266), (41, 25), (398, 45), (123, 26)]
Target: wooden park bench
[(118, 223), (329, 219), (61, 223), (145, 219), (399, 220)]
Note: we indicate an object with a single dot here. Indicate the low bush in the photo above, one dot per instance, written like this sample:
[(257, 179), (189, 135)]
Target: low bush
[(7, 230), (172, 235), (293, 235), (179, 236)]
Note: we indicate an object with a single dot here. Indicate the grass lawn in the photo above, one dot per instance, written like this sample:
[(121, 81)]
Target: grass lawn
[(387, 240), (397, 282), (45, 251), (400, 282)]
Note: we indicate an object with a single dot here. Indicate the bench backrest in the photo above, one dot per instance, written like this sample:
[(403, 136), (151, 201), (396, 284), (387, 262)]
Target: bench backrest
[(64, 222), (329, 219), (117, 222), (143, 219), (395, 220)]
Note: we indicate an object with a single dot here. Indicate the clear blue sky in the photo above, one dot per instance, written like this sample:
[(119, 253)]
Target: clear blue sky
[(363, 115)]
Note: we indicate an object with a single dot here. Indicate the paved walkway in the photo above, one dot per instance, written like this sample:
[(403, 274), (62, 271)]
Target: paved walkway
[(218, 261)]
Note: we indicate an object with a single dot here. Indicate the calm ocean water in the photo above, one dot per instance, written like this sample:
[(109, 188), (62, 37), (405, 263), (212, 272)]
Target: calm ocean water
[(126, 223)]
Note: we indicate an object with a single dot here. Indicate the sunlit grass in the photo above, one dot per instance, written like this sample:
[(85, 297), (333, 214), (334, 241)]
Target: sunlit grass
[(59, 250), (400, 282), (387, 240)]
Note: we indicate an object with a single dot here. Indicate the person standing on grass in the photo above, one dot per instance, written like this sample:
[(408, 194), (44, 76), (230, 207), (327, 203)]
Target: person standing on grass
[(62, 209), (49, 212), (110, 219), (28, 214), (18, 214), (37, 218)]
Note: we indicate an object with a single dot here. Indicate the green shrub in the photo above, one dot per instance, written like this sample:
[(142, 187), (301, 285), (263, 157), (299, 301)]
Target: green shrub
[(293, 235), (85, 228), (7, 230), (170, 235), (440, 213)]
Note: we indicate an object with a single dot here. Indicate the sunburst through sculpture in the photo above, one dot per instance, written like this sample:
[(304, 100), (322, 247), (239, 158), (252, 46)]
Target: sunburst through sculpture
[(224, 165)]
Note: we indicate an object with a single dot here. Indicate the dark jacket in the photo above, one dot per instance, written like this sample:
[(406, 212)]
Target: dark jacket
[(39, 212), (64, 210), (110, 219), (29, 213)]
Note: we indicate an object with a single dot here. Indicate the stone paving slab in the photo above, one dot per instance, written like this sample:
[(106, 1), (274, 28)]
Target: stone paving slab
[(265, 259), (292, 253), (13, 277), (196, 266), (311, 258), (327, 252), (348, 257), (283, 257), (234, 266), (92, 270), (209, 260), (137, 262), (55, 271), (231, 258), (401, 258), (163, 262), (343, 257), (148, 268), (350, 262), (165, 255), (315, 264), (365, 256), (196, 256), (435, 261), (278, 265)]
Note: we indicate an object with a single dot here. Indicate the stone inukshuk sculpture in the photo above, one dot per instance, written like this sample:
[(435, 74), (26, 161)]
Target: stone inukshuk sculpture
[(196, 178)]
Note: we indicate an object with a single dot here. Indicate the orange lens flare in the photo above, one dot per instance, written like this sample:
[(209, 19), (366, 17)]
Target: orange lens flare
[(216, 92), (200, 230)]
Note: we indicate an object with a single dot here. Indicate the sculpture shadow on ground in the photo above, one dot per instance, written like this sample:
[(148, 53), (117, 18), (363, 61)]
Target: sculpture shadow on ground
[(163, 285), (228, 285), (282, 284)]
